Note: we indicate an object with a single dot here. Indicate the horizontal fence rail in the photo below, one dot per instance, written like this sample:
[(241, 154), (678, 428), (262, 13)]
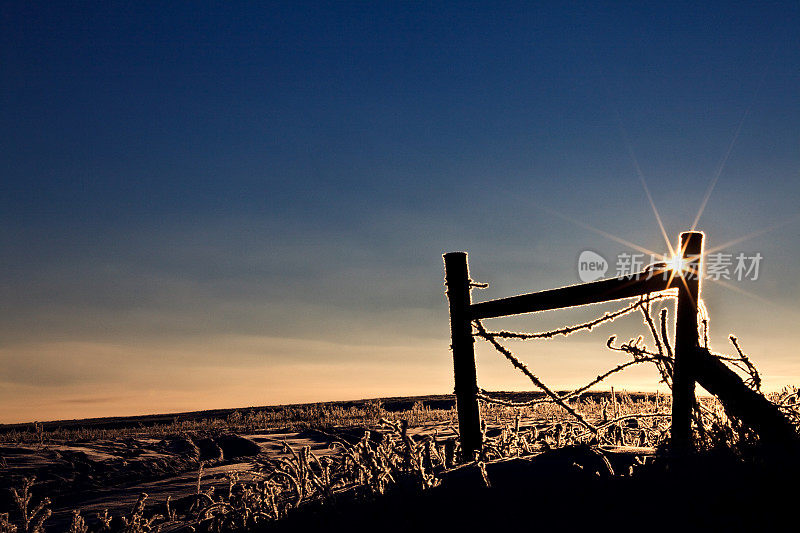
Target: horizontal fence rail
[(606, 290)]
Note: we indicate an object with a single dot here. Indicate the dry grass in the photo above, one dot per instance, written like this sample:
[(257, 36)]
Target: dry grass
[(389, 458)]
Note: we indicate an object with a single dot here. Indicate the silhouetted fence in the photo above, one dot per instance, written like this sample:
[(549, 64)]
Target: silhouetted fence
[(692, 363), (463, 312)]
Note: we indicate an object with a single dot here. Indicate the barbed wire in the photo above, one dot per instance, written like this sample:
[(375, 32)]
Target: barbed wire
[(640, 356), (663, 358), (754, 381), (484, 395), (568, 330), (664, 365), (536, 381)]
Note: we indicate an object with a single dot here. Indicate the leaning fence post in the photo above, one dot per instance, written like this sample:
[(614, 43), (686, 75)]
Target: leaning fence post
[(457, 281), (686, 341)]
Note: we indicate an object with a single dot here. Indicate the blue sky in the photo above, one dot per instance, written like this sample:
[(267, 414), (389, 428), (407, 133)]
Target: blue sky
[(263, 192)]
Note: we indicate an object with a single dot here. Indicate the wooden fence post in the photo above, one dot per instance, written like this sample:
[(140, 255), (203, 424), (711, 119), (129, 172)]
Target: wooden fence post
[(686, 342), (466, 381)]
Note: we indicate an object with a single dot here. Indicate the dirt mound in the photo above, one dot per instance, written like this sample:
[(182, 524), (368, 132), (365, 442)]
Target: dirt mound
[(233, 446), (209, 449), (182, 446)]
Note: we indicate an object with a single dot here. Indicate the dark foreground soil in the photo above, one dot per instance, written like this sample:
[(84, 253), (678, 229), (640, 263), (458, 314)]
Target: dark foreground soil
[(566, 489), (534, 495)]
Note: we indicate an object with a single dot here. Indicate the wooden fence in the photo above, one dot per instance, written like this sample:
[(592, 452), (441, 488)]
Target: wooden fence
[(693, 363), (685, 277)]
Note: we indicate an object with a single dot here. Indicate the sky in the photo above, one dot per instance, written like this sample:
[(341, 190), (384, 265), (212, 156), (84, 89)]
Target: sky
[(208, 205)]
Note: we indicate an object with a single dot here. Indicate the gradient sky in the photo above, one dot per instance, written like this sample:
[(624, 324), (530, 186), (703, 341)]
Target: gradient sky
[(208, 205)]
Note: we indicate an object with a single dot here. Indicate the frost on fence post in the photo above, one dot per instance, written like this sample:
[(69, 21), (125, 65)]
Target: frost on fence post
[(686, 341), (466, 382)]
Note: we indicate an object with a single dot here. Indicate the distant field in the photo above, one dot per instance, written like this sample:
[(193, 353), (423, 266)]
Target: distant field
[(288, 413)]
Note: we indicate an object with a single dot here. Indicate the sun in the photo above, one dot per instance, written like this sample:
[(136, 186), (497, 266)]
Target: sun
[(677, 263)]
